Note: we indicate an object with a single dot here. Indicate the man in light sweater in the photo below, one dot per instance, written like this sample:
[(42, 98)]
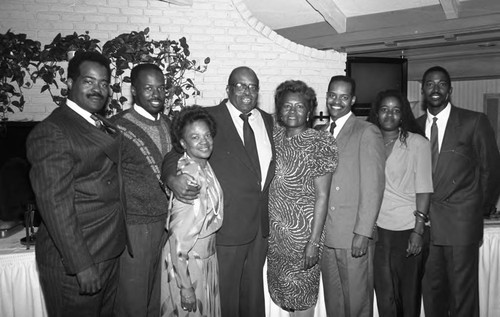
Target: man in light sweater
[(146, 131)]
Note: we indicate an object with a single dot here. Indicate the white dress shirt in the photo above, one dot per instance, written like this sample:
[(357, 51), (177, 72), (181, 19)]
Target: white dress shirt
[(262, 140), (442, 121), (339, 124), (82, 112), (140, 110)]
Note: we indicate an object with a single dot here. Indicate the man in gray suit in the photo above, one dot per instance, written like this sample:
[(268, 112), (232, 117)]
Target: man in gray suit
[(355, 199), (76, 181)]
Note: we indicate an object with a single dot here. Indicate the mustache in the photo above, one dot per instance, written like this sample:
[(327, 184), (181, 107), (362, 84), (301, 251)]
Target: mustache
[(95, 95)]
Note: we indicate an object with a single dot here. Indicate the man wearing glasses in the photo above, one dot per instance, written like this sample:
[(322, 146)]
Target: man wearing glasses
[(355, 198), (243, 161)]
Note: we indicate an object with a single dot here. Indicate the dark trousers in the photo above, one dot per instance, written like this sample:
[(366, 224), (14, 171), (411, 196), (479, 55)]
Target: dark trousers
[(241, 282), (398, 277), (62, 292), (450, 284), (139, 284)]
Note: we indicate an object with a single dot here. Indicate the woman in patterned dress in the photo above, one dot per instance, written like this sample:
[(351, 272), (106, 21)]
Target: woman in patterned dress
[(298, 200), (190, 284)]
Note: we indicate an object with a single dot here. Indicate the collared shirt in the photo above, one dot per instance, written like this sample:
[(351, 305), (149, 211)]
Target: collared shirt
[(82, 112), (339, 124), (442, 120), (262, 140), (140, 110)]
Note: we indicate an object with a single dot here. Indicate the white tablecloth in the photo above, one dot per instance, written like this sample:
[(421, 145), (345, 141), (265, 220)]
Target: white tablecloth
[(20, 292), (489, 281), (21, 295), (489, 273)]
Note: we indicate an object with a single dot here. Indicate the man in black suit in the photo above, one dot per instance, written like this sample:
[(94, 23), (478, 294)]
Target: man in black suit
[(466, 178), (76, 181), (245, 179)]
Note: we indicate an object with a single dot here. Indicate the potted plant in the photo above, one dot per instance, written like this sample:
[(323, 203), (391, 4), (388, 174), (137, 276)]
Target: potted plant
[(61, 49), (17, 53), (130, 49)]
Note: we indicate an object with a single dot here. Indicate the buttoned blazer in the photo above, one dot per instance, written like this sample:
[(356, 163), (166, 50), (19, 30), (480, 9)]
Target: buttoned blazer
[(357, 184), (466, 179), (75, 178), (245, 202)]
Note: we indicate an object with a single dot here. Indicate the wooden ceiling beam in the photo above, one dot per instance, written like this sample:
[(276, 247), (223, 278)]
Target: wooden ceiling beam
[(331, 13), (451, 8)]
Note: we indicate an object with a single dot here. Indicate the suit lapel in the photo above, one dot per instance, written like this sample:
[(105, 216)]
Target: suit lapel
[(233, 138), (269, 128), (449, 141), (108, 142)]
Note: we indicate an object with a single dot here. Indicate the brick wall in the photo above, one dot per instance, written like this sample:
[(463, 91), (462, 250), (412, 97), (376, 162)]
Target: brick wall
[(223, 30)]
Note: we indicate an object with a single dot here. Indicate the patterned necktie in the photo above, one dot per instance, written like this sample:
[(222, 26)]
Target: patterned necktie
[(98, 123), (332, 127), (434, 143), (249, 139)]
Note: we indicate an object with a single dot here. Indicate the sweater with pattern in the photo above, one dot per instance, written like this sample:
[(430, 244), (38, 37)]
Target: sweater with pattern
[(144, 145)]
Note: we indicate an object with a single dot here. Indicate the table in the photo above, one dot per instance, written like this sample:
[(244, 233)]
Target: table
[(20, 292), (21, 295), (489, 280)]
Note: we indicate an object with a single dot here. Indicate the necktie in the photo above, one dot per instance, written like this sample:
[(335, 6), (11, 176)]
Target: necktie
[(98, 123), (434, 143), (332, 127), (249, 139)]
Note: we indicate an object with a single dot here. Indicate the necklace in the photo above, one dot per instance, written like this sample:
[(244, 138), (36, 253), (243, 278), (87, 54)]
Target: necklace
[(390, 142)]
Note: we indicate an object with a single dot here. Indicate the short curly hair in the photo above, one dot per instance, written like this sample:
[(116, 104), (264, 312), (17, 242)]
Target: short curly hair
[(187, 116), (295, 86), (90, 56)]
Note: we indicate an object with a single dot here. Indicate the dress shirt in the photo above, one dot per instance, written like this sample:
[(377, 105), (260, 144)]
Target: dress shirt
[(442, 120), (339, 124), (140, 110), (262, 140), (82, 112)]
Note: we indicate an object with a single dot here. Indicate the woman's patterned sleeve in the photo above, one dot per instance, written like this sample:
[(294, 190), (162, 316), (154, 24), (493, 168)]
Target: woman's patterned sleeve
[(325, 153)]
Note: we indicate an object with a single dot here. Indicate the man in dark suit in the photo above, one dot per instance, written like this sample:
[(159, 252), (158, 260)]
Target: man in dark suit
[(76, 181), (355, 198), (242, 240), (466, 177)]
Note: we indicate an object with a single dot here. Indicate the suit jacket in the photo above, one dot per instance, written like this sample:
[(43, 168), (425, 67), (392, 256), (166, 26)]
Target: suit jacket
[(357, 184), (466, 179), (245, 202), (78, 191)]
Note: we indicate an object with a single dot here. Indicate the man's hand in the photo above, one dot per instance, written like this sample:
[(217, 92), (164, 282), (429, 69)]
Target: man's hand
[(184, 187), (359, 246), (89, 281)]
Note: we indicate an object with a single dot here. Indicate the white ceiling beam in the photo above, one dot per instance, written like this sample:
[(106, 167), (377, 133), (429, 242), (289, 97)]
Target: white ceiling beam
[(450, 8), (331, 13)]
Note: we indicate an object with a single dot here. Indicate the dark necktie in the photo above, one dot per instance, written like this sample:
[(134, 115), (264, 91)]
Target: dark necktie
[(434, 143), (250, 144), (332, 127), (98, 123)]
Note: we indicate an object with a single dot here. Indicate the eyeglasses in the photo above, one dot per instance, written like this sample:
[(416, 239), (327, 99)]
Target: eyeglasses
[(240, 88), (334, 96)]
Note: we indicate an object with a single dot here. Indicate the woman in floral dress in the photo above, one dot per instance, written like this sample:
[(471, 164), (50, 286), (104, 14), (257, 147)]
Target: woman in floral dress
[(298, 200), (190, 284)]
